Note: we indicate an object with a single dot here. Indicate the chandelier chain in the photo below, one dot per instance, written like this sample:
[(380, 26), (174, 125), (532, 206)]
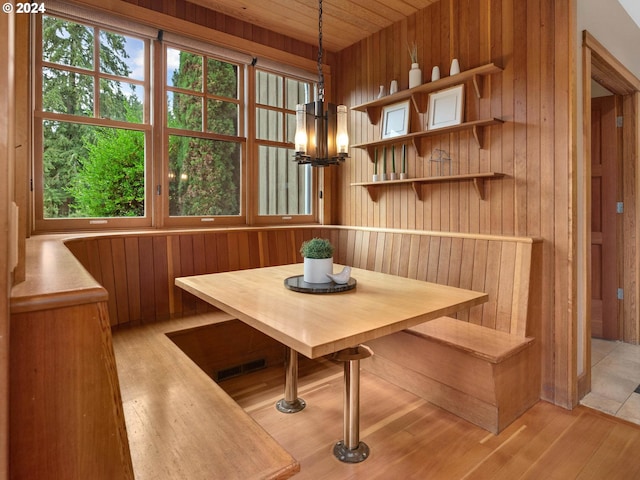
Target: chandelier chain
[(320, 54)]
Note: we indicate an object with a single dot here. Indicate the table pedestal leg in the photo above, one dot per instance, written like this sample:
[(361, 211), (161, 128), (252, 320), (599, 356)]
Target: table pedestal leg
[(291, 403), (351, 449)]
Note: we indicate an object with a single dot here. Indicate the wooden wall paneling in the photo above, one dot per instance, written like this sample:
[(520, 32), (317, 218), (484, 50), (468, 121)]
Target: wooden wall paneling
[(94, 267), (364, 253), (518, 95), (53, 357), (185, 248), (133, 277), (405, 256), (478, 281), (161, 278), (79, 250), (119, 260), (175, 271), (504, 298), (525, 256), (233, 250), (631, 198), (414, 256), (223, 252), (455, 263), (147, 284), (432, 262), (254, 250), (108, 280), (423, 258), (466, 270), (379, 252), (280, 247), (211, 252), (562, 134), (492, 279), (442, 275), (534, 131), (199, 265), (501, 145)]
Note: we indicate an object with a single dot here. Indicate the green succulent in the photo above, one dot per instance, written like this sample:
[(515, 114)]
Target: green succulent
[(317, 248)]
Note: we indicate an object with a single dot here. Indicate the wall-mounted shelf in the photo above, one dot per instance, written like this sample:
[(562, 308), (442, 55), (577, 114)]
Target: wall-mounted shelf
[(419, 95), (478, 180), (477, 127)]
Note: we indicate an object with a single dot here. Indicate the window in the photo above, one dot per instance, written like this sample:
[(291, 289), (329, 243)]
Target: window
[(284, 187), (203, 134), (92, 125), (111, 151)]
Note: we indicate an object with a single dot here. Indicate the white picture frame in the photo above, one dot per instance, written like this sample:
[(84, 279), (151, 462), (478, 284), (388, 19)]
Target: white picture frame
[(446, 108), (395, 120)]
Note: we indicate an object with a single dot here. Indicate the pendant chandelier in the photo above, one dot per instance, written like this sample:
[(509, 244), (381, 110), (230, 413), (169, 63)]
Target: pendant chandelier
[(321, 134)]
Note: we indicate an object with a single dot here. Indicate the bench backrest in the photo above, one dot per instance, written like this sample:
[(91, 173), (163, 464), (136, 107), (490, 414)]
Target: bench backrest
[(138, 269), (500, 266)]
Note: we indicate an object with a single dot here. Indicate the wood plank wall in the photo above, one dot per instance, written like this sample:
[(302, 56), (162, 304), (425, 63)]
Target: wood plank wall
[(532, 40)]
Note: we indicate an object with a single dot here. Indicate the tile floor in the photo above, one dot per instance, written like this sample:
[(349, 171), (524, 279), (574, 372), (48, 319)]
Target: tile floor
[(615, 379)]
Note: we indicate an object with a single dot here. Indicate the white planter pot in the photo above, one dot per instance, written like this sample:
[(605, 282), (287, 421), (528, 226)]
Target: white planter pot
[(316, 269)]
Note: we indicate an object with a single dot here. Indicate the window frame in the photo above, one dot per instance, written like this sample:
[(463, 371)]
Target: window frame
[(157, 132), (256, 143), (241, 139), (40, 116)]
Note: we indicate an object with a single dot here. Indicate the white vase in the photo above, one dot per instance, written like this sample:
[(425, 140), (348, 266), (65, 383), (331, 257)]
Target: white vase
[(381, 92), (394, 87), (415, 75), (316, 269), (435, 73), (455, 67)]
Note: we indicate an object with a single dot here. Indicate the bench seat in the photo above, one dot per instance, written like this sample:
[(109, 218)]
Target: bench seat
[(487, 344), (180, 423)]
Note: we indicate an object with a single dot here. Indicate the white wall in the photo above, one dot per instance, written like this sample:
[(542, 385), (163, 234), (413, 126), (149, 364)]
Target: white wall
[(609, 23), (612, 26)]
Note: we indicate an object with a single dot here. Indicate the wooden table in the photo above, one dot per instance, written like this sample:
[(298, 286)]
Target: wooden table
[(319, 324)]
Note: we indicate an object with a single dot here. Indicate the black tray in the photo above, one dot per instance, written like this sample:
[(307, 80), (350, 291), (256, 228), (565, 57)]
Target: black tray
[(297, 284)]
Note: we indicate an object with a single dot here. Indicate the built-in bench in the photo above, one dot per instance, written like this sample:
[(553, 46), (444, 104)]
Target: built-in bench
[(180, 423), (482, 366), (148, 411)]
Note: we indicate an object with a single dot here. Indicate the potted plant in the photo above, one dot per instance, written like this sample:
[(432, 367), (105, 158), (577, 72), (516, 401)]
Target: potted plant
[(318, 260)]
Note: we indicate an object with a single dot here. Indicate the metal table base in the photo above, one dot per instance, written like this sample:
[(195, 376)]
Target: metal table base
[(291, 403)]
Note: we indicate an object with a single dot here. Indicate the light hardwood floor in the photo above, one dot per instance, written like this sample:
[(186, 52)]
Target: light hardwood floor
[(412, 439)]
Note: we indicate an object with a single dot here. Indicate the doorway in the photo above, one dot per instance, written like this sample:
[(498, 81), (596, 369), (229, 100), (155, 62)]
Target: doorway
[(604, 69), (606, 210)]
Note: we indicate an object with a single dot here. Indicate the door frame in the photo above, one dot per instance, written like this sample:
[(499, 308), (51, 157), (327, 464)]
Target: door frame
[(599, 64)]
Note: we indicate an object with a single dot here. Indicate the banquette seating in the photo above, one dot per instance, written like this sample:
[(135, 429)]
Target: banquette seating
[(482, 366)]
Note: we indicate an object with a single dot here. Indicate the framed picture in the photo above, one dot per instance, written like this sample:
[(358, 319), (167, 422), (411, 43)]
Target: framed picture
[(395, 119), (446, 108)]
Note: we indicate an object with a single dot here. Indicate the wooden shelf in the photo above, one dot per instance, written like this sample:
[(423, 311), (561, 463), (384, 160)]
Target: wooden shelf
[(478, 180), (419, 95), (477, 127)]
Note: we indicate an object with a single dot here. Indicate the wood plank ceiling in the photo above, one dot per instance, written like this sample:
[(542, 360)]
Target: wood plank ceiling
[(345, 22)]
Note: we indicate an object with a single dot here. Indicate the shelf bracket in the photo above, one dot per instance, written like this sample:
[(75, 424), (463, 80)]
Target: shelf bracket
[(417, 188), (478, 134), (477, 85), (374, 114), (420, 101), (478, 183), (373, 193)]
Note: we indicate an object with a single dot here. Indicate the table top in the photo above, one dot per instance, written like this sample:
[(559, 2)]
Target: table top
[(318, 324)]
